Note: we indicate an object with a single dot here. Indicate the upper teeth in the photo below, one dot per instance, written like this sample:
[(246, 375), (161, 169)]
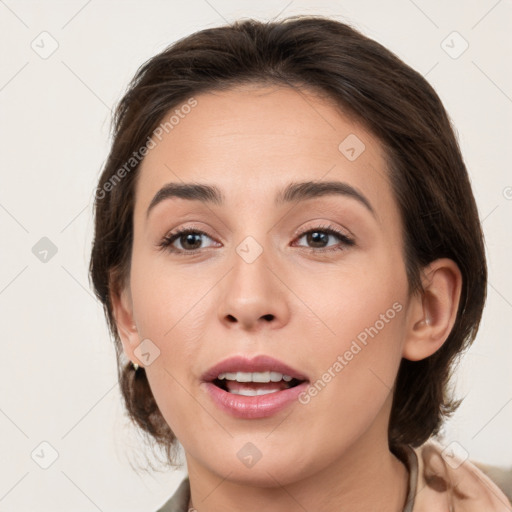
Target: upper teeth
[(255, 377)]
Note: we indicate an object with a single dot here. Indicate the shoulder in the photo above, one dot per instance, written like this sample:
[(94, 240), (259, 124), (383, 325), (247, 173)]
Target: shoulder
[(450, 481), (179, 500), (445, 481)]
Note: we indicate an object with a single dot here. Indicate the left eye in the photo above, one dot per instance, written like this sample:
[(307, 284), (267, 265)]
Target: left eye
[(320, 236)]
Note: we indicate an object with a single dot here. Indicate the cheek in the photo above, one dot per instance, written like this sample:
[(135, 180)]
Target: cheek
[(171, 315), (360, 300), (352, 388), (356, 353), (359, 359), (167, 297)]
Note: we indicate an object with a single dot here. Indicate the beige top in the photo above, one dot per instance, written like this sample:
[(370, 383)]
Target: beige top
[(438, 482)]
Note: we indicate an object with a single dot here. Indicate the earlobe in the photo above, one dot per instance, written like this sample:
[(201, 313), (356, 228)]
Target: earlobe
[(122, 307), (433, 313)]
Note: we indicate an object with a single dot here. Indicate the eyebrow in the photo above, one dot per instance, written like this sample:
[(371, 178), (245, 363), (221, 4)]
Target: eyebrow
[(293, 192)]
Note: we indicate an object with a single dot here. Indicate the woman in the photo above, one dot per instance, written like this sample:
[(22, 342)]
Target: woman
[(288, 250)]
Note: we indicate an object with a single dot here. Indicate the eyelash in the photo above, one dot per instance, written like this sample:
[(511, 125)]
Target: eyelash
[(166, 243)]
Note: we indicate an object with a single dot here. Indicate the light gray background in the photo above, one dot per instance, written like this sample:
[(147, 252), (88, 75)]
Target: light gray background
[(58, 380)]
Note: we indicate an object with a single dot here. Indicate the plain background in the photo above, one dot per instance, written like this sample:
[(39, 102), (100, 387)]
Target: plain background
[(58, 378)]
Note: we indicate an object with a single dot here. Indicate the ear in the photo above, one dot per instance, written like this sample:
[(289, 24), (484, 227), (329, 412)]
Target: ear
[(122, 307), (432, 313)]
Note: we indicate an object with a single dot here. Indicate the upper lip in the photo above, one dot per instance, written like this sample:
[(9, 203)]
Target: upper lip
[(261, 363)]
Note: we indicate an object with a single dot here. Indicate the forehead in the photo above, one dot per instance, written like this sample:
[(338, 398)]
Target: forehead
[(251, 140)]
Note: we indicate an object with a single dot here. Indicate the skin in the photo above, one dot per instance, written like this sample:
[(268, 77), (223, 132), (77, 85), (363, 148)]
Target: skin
[(332, 453)]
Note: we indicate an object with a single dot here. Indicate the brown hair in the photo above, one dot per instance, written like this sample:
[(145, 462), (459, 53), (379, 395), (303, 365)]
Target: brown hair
[(372, 85)]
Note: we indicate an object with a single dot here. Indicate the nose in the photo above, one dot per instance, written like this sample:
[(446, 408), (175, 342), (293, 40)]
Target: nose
[(253, 296)]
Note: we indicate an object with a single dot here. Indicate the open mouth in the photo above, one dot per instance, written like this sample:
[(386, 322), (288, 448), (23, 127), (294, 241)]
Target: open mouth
[(254, 384)]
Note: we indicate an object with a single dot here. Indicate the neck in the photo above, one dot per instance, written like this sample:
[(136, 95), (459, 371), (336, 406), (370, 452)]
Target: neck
[(364, 479)]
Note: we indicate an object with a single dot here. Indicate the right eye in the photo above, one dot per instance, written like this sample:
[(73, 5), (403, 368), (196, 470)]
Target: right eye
[(189, 238)]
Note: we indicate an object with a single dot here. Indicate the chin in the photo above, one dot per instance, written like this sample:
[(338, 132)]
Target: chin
[(265, 476), (273, 469)]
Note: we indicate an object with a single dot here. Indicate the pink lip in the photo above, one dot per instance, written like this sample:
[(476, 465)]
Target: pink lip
[(252, 407)]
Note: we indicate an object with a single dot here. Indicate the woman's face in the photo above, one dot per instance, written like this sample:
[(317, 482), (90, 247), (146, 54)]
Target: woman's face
[(267, 279)]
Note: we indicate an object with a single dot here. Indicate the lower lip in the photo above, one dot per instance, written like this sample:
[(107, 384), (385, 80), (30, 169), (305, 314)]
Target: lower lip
[(252, 407)]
